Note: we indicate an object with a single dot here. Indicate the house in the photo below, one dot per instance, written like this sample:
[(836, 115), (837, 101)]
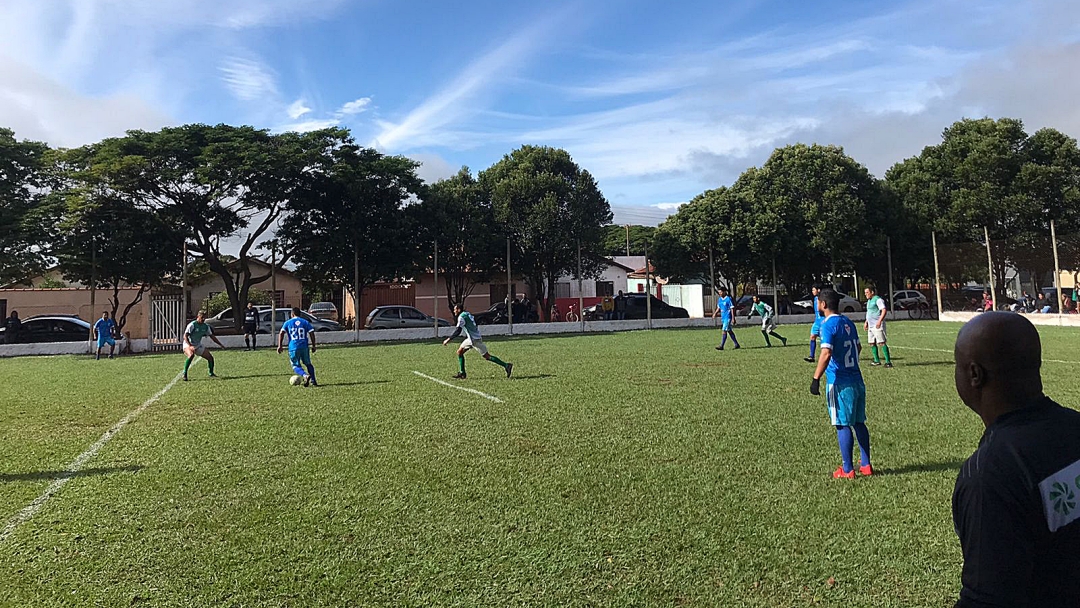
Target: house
[(290, 288)]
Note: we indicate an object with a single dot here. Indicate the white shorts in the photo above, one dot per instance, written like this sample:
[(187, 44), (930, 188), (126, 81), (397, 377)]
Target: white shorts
[(768, 324), (875, 335), (478, 345), (191, 350)]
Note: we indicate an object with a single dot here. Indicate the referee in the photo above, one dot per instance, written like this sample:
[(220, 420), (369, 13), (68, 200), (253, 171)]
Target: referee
[(1016, 506), (251, 326)]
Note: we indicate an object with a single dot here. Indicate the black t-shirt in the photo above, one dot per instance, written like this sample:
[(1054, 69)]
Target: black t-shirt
[(251, 317), (1016, 509)]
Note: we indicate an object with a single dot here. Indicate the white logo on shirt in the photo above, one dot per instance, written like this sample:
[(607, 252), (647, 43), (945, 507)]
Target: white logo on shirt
[(1059, 493)]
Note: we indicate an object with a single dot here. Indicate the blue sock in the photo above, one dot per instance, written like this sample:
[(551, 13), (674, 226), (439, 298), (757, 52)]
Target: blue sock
[(299, 371), (723, 339), (813, 347), (733, 338), (863, 435), (311, 371), (847, 444)]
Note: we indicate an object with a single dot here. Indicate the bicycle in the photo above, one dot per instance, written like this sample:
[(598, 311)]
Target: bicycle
[(571, 316), (553, 314), (918, 310)]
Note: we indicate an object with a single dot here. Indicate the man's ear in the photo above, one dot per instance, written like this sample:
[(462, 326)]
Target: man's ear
[(977, 375)]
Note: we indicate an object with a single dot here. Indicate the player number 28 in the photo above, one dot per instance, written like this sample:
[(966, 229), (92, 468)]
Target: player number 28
[(297, 333)]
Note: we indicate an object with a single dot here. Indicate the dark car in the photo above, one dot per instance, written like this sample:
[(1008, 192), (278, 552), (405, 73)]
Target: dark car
[(51, 328), (636, 309), (496, 315), (397, 317)]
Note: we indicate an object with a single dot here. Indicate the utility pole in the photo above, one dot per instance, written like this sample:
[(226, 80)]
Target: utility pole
[(1057, 267), (628, 240), (435, 289), (509, 301), (990, 264)]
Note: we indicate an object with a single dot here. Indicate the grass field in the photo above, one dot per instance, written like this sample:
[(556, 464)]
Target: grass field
[(632, 469)]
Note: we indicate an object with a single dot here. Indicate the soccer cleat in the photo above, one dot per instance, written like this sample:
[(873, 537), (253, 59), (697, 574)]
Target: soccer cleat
[(459, 376), (185, 377), (313, 383), (97, 357), (784, 340), (110, 356), (840, 474), (719, 348), (737, 347), (875, 363), (307, 380), (866, 470), (213, 375), (888, 365), (808, 359), (509, 369)]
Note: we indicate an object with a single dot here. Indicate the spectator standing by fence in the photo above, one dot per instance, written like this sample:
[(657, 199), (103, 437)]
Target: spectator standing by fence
[(12, 328)]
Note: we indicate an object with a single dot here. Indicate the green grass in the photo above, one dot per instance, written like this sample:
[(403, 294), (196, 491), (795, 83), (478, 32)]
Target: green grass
[(632, 469)]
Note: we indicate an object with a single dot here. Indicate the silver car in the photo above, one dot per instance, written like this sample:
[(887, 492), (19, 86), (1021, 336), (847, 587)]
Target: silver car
[(847, 303), (283, 314), (393, 317)]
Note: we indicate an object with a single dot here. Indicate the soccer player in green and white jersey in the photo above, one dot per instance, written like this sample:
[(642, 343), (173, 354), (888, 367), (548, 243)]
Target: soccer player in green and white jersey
[(193, 346), (875, 326), (768, 321), (465, 321)]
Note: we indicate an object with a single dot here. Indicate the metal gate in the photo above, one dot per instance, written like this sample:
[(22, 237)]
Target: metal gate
[(166, 322)]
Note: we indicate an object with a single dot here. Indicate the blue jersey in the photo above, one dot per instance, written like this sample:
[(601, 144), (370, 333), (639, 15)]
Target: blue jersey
[(818, 315), (725, 306), (839, 335), (297, 329), (104, 327)]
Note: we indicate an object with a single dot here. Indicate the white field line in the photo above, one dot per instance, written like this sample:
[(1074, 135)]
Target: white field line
[(942, 350), (460, 388), (76, 465)]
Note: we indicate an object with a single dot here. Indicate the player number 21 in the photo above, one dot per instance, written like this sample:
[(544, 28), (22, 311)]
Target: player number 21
[(849, 354)]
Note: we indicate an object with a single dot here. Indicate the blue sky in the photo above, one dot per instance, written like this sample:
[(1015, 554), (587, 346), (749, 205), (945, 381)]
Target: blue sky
[(659, 102)]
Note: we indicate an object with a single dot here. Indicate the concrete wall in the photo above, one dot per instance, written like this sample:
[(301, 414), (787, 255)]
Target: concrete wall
[(1036, 319), (70, 301)]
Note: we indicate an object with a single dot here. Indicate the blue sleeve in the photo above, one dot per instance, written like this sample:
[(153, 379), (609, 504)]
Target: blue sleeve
[(828, 332)]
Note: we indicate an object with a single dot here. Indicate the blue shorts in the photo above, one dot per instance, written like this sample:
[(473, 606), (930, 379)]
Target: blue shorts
[(815, 329), (725, 324), (102, 340), (847, 403), (300, 355)]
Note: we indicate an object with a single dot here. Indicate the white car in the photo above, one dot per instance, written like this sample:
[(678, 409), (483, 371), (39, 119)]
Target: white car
[(910, 296), (847, 303)]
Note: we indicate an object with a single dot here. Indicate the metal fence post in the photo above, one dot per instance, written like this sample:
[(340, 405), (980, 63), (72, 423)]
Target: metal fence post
[(580, 296), (509, 310), (712, 279), (648, 290), (435, 289), (937, 275), (1057, 268), (990, 265), (888, 253)]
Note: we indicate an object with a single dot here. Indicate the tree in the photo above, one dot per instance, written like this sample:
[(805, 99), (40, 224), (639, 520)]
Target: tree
[(23, 209), (111, 244), (548, 206), (211, 184), (348, 225), (455, 214), (615, 240)]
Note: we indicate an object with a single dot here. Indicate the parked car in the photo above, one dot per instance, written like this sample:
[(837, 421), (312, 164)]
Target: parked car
[(742, 305), (394, 317), (282, 314), (222, 323), (636, 309), (908, 296), (51, 328), (496, 315), (847, 303), (324, 310)]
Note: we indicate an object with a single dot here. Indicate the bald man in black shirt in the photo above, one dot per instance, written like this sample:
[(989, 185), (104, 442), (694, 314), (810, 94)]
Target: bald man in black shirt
[(1016, 507)]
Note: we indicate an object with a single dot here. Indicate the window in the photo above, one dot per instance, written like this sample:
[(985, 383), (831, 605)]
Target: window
[(605, 288), (412, 314), (390, 314), (562, 290)]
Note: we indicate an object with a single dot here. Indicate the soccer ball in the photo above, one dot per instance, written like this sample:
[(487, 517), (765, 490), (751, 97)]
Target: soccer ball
[(295, 380)]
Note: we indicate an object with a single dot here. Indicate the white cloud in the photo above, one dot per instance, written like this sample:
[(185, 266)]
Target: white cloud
[(297, 109), (355, 107), (248, 79), (432, 167), (308, 125), (643, 215), (669, 206)]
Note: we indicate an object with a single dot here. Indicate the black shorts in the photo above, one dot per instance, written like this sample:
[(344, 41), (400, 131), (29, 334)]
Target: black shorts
[(250, 328)]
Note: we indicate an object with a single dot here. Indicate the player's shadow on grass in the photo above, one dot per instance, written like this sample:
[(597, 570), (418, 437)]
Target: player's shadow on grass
[(925, 467), (357, 383), (929, 364), (51, 475)]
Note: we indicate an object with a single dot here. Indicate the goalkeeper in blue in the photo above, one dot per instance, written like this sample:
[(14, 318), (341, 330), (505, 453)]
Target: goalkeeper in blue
[(301, 344), (768, 320), (466, 323), (844, 388), (725, 307)]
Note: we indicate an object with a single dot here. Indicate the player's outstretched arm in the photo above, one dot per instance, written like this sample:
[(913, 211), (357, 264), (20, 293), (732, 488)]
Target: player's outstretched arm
[(280, 340), (214, 338)]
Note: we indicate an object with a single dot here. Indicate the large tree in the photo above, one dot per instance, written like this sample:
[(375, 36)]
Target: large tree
[(349, 224), (111, 244), (455, 214), (548, 206), (627, 240), (23, 208), (218, 186)]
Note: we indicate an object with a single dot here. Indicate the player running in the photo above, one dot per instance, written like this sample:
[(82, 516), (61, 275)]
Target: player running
[(103, 333), (300, 334), (844, 388), (875, 326), (726, 307), (251, 326), (193, 346), (815, 329), (768, 321), (473, 339)]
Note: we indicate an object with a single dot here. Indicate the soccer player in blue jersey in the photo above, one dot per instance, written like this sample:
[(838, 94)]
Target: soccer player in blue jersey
[(103, 333), (726, 307), (815, 329), (301, 335), (844, 388), (466, 323)]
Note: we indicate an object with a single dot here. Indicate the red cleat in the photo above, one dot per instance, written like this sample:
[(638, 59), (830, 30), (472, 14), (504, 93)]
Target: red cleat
[(840, 474), (866, 471)]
